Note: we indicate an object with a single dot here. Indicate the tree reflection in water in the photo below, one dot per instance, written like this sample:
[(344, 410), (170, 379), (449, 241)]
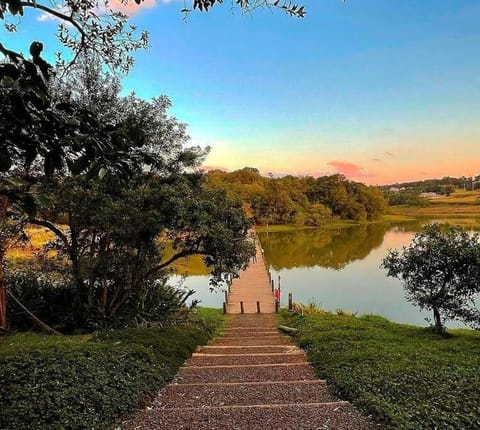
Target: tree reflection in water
[(334, 249)]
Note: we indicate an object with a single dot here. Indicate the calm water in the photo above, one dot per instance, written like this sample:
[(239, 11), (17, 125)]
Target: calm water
[(336, 269)]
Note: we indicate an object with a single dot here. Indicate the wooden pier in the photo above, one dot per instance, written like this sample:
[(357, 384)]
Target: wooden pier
[(252, 292)]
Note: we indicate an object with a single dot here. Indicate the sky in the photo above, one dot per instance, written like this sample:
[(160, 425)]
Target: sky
[(382, 91)]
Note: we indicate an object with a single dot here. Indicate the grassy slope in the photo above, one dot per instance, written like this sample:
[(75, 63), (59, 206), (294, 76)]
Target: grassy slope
[(89, 381), (458, 204), (404, 376)]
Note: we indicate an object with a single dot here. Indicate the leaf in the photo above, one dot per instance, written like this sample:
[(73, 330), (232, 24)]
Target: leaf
[(29, 205), (16, 182), (5, 162), (36, 49), (102, 172)]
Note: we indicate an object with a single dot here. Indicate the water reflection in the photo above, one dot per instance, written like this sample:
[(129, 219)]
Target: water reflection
[(335, 249), (339, 268)]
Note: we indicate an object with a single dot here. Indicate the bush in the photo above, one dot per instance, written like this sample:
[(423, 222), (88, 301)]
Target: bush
[(52, 299), (88, 382), (405, 377)]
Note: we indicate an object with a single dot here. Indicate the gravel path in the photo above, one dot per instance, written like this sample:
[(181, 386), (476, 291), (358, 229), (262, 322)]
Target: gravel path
[(248, 379)]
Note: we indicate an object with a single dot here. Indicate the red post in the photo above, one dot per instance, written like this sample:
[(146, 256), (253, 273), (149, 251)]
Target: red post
[(241, 308), (224, 308), (3, 300), (258, 307)]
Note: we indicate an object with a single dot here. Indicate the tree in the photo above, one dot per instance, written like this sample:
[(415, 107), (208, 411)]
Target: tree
[(115, 238), (43, 136), (116, 226), (87, 27), (440, 271)]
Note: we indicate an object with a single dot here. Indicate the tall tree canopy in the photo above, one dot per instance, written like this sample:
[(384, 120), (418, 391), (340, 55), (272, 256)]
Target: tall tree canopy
[(99, 27)]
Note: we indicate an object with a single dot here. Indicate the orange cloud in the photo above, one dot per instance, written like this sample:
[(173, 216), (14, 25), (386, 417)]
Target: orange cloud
[(350, 170), (130, 7)]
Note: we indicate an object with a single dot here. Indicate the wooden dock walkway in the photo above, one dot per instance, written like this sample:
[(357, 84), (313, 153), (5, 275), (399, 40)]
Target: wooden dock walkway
[(252, 291)]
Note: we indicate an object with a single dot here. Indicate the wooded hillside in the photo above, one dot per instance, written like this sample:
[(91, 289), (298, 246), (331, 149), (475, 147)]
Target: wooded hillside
[(300, 200)]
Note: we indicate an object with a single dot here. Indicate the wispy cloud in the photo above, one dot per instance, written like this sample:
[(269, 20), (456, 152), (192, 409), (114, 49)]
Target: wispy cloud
[(127, 7)]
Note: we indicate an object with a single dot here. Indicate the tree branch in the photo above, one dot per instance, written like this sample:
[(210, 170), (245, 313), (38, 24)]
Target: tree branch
[(52, 227), (56, 13), (173, 258)]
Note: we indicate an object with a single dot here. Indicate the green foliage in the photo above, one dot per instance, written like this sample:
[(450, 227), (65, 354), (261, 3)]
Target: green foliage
[(248, 6), (111, 256), (444, 186), (406, 197), (86, 382), (301, 201), (84, 27), (54, 300), (114, 244), (440, 271), (405, 377)]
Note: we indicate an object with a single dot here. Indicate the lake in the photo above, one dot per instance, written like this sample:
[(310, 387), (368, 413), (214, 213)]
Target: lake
[(338, 269)]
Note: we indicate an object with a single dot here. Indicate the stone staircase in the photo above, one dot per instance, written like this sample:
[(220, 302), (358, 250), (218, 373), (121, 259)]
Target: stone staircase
[(252, 377)]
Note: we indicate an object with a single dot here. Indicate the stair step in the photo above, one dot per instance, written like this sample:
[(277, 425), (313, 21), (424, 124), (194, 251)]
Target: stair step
[(249, 333), (338, 416), (252, 341), (236, 359), (266, 372), (244, 394), (264, 349)]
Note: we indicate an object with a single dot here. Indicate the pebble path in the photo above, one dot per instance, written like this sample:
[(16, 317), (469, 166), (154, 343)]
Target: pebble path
[(252, 377)]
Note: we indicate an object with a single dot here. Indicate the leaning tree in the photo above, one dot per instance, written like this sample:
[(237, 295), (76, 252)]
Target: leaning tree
[(440, 271)]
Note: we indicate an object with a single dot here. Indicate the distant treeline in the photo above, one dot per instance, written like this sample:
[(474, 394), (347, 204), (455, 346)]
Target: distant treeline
[(300, 200), (445, 185)]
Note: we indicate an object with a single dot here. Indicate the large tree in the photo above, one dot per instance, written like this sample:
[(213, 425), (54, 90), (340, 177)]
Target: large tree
[(101, 28), (440, 271), (116, 225)]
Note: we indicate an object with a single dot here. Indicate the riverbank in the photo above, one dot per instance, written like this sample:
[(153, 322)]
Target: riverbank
[(405, 377), (90, 381), (333, 224)]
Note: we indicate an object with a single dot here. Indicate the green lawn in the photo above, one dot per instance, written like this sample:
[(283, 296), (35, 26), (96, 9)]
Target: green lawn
[(90, 381), (404, 376)]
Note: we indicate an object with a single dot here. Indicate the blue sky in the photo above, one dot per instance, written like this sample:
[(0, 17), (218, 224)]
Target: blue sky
[(380, 90)]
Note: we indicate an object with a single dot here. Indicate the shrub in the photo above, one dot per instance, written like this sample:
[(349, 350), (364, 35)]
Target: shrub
[(51, 298), (88, 382)]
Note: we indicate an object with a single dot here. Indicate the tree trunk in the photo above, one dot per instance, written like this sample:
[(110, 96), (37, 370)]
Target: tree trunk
[(438, 320), (3, 297)]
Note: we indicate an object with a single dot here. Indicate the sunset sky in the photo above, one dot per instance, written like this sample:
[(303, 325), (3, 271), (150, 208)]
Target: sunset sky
[(381, 91)]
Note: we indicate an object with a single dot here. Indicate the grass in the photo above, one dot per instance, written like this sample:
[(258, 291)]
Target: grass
[(405, 377), (460, 197), (458, 204), (90, 381), (330, 225)]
